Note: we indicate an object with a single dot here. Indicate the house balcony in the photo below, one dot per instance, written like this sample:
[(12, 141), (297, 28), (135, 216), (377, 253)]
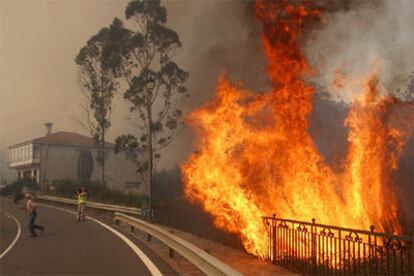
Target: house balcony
[(24, 163)]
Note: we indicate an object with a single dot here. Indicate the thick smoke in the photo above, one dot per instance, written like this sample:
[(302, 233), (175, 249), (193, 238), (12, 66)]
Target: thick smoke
[(218, 37), (357, 36), (224, 37)]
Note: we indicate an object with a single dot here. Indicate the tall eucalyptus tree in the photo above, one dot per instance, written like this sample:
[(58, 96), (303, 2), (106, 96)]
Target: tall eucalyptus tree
[(99, 71), (155, 84)]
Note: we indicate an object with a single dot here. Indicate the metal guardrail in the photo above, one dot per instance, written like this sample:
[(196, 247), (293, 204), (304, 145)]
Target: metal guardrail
[(200, 258), (317, 249), (96, 205)]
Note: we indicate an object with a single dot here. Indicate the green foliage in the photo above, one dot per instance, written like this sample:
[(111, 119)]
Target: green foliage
[(96, 192), (16, 188), (135, 150), (155, 83), (100, 63), (146, 9)]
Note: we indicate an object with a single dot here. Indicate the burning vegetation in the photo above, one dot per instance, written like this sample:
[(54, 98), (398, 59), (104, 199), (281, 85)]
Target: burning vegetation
[(256, 157)]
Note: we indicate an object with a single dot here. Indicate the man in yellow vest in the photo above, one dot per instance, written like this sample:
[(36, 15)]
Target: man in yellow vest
[(81, 194)]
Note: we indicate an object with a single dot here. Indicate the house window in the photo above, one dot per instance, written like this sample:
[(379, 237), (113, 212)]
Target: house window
[(13, 156), (132, 184), (36, 152), (30, 153)]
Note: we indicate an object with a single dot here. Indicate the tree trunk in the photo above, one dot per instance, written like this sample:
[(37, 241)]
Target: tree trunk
[(150, 157), (103, 159)]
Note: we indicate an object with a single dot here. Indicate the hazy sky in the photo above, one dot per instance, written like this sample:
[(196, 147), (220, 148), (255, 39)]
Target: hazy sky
[(40, 39)]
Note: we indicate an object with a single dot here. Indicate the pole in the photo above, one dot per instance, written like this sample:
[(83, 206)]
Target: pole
[(150, 153)]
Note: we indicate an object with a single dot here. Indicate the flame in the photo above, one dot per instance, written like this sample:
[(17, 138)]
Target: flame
[(256, 157), (376, 140)]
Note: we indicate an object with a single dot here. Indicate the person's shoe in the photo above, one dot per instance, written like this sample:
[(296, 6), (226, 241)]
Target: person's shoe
[(32, 236)]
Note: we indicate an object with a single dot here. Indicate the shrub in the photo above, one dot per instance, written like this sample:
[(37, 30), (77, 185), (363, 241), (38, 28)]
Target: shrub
[(18, 187), (96, 192)]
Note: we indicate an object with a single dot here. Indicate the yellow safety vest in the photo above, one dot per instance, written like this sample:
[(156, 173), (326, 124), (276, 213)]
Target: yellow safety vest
[(82, 198)]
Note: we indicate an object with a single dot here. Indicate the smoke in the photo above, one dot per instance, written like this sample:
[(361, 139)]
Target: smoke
[(224, 37), (356, 36), (218, 37)]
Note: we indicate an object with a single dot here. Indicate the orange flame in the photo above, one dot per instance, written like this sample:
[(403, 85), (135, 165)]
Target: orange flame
[(256, 156)]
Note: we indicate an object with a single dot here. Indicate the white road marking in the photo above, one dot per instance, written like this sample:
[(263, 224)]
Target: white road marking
[(19, 231), (144, 258)]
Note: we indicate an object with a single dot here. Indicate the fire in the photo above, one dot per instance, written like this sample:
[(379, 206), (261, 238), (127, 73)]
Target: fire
[(376, 140), (256, 156)]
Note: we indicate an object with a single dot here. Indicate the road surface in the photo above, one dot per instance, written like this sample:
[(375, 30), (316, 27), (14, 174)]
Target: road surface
[(68, 247)]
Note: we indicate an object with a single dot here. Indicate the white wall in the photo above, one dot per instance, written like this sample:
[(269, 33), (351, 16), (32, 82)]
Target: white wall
[(59, 162)]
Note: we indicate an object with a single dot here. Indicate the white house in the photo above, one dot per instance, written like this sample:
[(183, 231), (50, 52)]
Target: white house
[(68, 155)]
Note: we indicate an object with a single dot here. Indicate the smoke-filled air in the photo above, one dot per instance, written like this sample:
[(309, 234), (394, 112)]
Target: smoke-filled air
[(255, 156)]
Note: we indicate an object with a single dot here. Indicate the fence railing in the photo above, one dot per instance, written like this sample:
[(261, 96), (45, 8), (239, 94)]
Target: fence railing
[(316, 249)]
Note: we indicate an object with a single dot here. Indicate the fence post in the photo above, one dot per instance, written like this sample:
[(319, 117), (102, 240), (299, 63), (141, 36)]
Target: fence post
[(371, 251), (373, 254), (410, 256), (273, 259), (313, 246)]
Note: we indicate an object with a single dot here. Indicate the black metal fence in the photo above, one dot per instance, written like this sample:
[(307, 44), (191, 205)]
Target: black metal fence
[(317, 249)]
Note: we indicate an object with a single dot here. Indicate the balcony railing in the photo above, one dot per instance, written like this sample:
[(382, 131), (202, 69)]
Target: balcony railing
[(17, 163), (317, 249)]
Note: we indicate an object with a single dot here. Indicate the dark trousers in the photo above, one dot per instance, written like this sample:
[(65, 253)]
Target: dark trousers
[(32, 225)]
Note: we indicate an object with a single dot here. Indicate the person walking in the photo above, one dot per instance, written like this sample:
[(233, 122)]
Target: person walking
[(31, 208), (81, 194)]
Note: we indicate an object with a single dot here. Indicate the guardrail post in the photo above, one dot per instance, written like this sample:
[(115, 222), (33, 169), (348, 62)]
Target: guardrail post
[(117, 222), (171, 252), (132, 228), (149, 237)]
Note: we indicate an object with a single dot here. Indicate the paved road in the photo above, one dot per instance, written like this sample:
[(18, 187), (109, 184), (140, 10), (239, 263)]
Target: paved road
[(8, 230), (67, 247)]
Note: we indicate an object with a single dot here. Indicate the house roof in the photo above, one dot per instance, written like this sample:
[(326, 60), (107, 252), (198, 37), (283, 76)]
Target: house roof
[(63, 138)]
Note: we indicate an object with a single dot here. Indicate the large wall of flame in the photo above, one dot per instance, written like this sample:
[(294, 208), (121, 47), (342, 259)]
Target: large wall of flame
[(256, 157)]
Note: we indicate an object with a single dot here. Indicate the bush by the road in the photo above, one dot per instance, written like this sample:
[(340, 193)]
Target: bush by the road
[(96, 192), (18, 187)]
